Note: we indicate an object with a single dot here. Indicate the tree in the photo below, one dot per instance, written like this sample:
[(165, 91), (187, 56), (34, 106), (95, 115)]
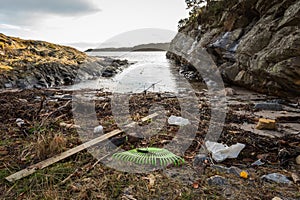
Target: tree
[(194, 3), (195, 7)]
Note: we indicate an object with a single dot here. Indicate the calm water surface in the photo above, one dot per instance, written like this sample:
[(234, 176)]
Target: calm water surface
[(151, 71)]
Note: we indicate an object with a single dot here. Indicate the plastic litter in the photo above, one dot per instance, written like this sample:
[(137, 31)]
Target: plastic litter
[(277, 178), (20, 122), (257, 163), (266, 124), (232, 170), (98, 129), (221, 152), (173, 120), (244, 174)]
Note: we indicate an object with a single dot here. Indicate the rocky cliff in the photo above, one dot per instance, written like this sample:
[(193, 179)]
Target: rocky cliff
[(30, 63), (254, 43)]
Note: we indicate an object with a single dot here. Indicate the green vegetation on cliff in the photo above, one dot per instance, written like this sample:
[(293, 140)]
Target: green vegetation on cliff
[(207, 13)]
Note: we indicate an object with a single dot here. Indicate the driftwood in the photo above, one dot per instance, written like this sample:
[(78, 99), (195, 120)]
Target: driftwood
[(57, 110), (151, 86), (43, 164)]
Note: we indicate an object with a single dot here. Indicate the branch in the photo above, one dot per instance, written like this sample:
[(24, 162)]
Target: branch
[(152, 85)]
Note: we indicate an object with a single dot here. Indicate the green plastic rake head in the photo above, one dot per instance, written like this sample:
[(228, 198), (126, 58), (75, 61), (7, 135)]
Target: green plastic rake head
[(152, 156)]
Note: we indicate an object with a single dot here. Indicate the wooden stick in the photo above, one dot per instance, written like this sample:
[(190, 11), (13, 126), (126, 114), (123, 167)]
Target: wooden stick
[(43, 164), (152, 85), (58, 109)]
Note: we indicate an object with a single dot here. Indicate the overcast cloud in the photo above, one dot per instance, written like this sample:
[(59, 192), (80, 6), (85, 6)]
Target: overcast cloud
[(25, 12), (81, 24)]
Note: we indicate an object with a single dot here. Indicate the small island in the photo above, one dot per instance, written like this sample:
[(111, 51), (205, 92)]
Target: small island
[(142, 47)]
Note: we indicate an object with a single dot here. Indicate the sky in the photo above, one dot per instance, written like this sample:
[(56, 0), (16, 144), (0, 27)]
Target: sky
[(86, 23)]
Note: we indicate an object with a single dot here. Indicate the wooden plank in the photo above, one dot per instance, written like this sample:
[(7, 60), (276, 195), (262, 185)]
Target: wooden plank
[(43, 164)]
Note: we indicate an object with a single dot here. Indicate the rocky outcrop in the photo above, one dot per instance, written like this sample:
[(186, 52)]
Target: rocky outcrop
[(255, 43), (36, 64)]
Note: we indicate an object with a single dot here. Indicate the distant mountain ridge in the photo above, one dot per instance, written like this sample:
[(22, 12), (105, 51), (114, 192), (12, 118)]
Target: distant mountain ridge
[(142, 47)]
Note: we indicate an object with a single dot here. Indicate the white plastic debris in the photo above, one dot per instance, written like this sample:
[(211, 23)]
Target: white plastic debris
[(20, 122), (220, 152), (258, 163), (173, 120), (98, 129)]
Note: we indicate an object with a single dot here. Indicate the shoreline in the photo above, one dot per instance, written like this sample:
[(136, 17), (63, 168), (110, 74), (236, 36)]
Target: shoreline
[(64, 75), (49, 128)]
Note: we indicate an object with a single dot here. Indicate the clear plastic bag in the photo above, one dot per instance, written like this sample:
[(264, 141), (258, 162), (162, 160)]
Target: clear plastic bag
[(220, 152)]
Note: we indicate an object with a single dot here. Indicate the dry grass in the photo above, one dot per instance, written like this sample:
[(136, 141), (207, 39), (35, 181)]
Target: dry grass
[(49, 145), (18, 53), (5, 67)]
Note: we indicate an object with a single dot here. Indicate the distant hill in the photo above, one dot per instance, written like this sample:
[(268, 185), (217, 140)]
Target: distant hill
[(142, 47)]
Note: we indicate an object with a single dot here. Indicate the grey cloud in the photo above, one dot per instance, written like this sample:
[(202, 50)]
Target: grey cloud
[(24, 11)]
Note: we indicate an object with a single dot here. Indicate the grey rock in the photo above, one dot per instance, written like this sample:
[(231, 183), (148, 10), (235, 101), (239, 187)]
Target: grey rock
[(220, 168), (21, 83), (228, 40), (118, 63), (234, 170), (229, 71), (231, 170), (207, 37), (269, 106), (109, 71), (230, 92), (217, 180), (277, 178), (291, 16), (67, 97), (260, 49), (8, 85), (47, 75), (107, 74), (200, 160), (227, 44)]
